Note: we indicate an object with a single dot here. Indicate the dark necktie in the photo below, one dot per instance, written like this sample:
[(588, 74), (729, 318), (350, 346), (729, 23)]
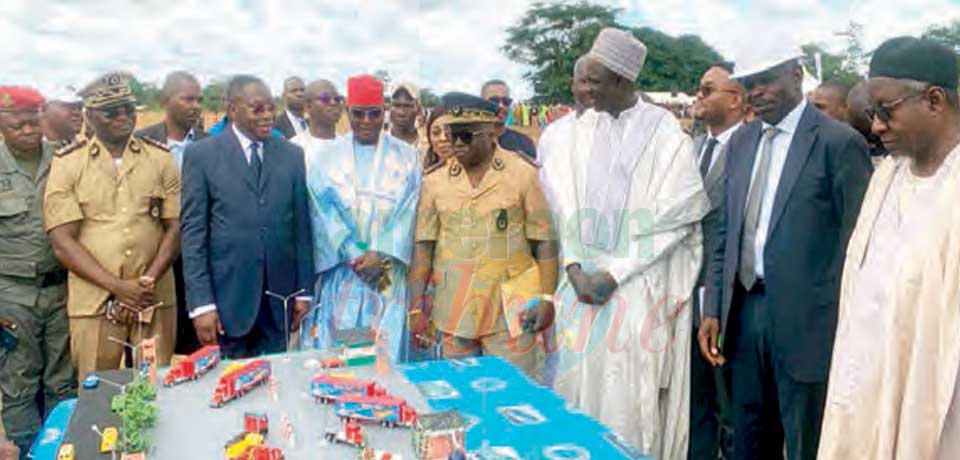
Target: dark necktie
[(707, 157), (255, 163)]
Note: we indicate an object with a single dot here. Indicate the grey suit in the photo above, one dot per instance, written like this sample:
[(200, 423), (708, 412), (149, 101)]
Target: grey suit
[(711, 426), (779, 335)]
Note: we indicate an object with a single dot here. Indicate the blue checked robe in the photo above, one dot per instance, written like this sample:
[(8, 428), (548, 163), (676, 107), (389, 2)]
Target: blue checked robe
[(362, 198)]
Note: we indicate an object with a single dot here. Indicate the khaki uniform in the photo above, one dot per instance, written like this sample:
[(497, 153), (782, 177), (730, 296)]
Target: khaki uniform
[(481, 237), (32, 302), (121, 209)]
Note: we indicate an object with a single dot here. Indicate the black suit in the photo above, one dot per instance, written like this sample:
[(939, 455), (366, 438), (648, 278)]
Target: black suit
[(711, 426), (242, 237), (284, 125), (779, 335), (186, 342)]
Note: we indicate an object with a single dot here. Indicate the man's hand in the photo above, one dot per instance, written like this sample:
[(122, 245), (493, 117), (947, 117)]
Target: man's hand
[(9, 450), (538, 318), (708, 337), (300, 310), (369, 267), (418, 323), (208, 328), (133, 293), (581, 283), (602, 287)]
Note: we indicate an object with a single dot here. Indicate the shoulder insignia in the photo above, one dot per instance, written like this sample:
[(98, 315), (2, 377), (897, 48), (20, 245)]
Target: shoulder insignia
[(434, 167), (151, 142), (498, 164), (455, 169), (71, 147), (521, 156)]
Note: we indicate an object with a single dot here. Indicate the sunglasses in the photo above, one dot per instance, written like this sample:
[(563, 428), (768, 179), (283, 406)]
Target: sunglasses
[(465, 136), (885, 111), (117, 110), (503, 101), (707, 91), (330, 99), (366, 114)]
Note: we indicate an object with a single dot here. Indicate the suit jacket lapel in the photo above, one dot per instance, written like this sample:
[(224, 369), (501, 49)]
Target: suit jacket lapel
[(269, 159), (800, 148), (744, 172), (237, 159)]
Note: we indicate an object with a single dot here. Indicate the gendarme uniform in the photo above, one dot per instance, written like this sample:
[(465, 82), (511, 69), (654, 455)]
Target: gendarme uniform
[(482, 249), (121, 206), (32, 290)]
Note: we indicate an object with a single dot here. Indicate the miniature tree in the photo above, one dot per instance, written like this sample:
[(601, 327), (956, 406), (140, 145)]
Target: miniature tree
[(138, 414)]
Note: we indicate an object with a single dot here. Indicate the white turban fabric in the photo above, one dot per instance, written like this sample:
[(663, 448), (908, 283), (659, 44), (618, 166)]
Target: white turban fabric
[(619, 51)]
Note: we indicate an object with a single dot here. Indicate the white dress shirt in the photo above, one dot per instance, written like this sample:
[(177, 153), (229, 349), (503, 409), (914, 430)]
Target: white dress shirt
[(177, 147), (722, 140), (299, 124), (778, 157)]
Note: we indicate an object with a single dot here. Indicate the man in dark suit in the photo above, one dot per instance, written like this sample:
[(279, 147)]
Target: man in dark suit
[(795, 180), (720, 107), (246, 229), (181, 103), (498, 92), (291, 121)]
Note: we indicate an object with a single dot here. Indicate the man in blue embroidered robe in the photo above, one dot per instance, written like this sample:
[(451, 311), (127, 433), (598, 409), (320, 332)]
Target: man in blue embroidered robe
[(363, 198)]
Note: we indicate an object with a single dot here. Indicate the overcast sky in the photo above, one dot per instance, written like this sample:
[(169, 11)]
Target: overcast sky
[(443, 45)]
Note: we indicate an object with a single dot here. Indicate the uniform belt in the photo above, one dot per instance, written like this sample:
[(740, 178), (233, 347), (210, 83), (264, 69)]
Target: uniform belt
[(53, 278)]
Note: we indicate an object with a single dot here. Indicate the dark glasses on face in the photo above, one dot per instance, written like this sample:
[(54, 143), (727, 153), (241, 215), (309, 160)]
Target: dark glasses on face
[(504, 101), (885, 111), (117, 110), (707, 91), (366, 114), (465, 136), (330, 99)]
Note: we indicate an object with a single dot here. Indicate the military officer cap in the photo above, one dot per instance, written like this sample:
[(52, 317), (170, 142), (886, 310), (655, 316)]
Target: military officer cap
[(19, 98), (108, 90), (464, 108)]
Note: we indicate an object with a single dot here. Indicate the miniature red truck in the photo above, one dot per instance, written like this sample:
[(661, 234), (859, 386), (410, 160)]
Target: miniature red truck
[(263, 453), (351, 434), (389, 411), (236, 382), (195, 365), (326, 388), (255, 422)]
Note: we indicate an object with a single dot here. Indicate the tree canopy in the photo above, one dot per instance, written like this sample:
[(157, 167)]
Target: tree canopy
[(550, 37)]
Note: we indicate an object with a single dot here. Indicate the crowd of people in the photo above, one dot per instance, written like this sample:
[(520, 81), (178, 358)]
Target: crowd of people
[(757, 291)]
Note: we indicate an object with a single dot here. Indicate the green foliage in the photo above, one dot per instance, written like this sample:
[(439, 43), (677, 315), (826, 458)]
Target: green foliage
[(213, 95), (948, 34), (550, 37), (138, 414), (832, 64), (428, 98), (147, 94)]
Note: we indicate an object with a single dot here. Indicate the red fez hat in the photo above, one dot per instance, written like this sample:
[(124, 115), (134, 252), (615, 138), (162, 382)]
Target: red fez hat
[(364, 90), (20, 98)]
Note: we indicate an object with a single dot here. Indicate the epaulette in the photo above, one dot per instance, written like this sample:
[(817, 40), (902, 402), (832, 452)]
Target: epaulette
[(71, 147), (524, 157), (154, 143), (434, 167)]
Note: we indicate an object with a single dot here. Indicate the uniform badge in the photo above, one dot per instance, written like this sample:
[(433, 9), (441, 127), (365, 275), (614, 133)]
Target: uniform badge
[(94, 149), (135, 147), (155, 204), (6, 185), (498, 164), (455, 169), (502, 220)]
